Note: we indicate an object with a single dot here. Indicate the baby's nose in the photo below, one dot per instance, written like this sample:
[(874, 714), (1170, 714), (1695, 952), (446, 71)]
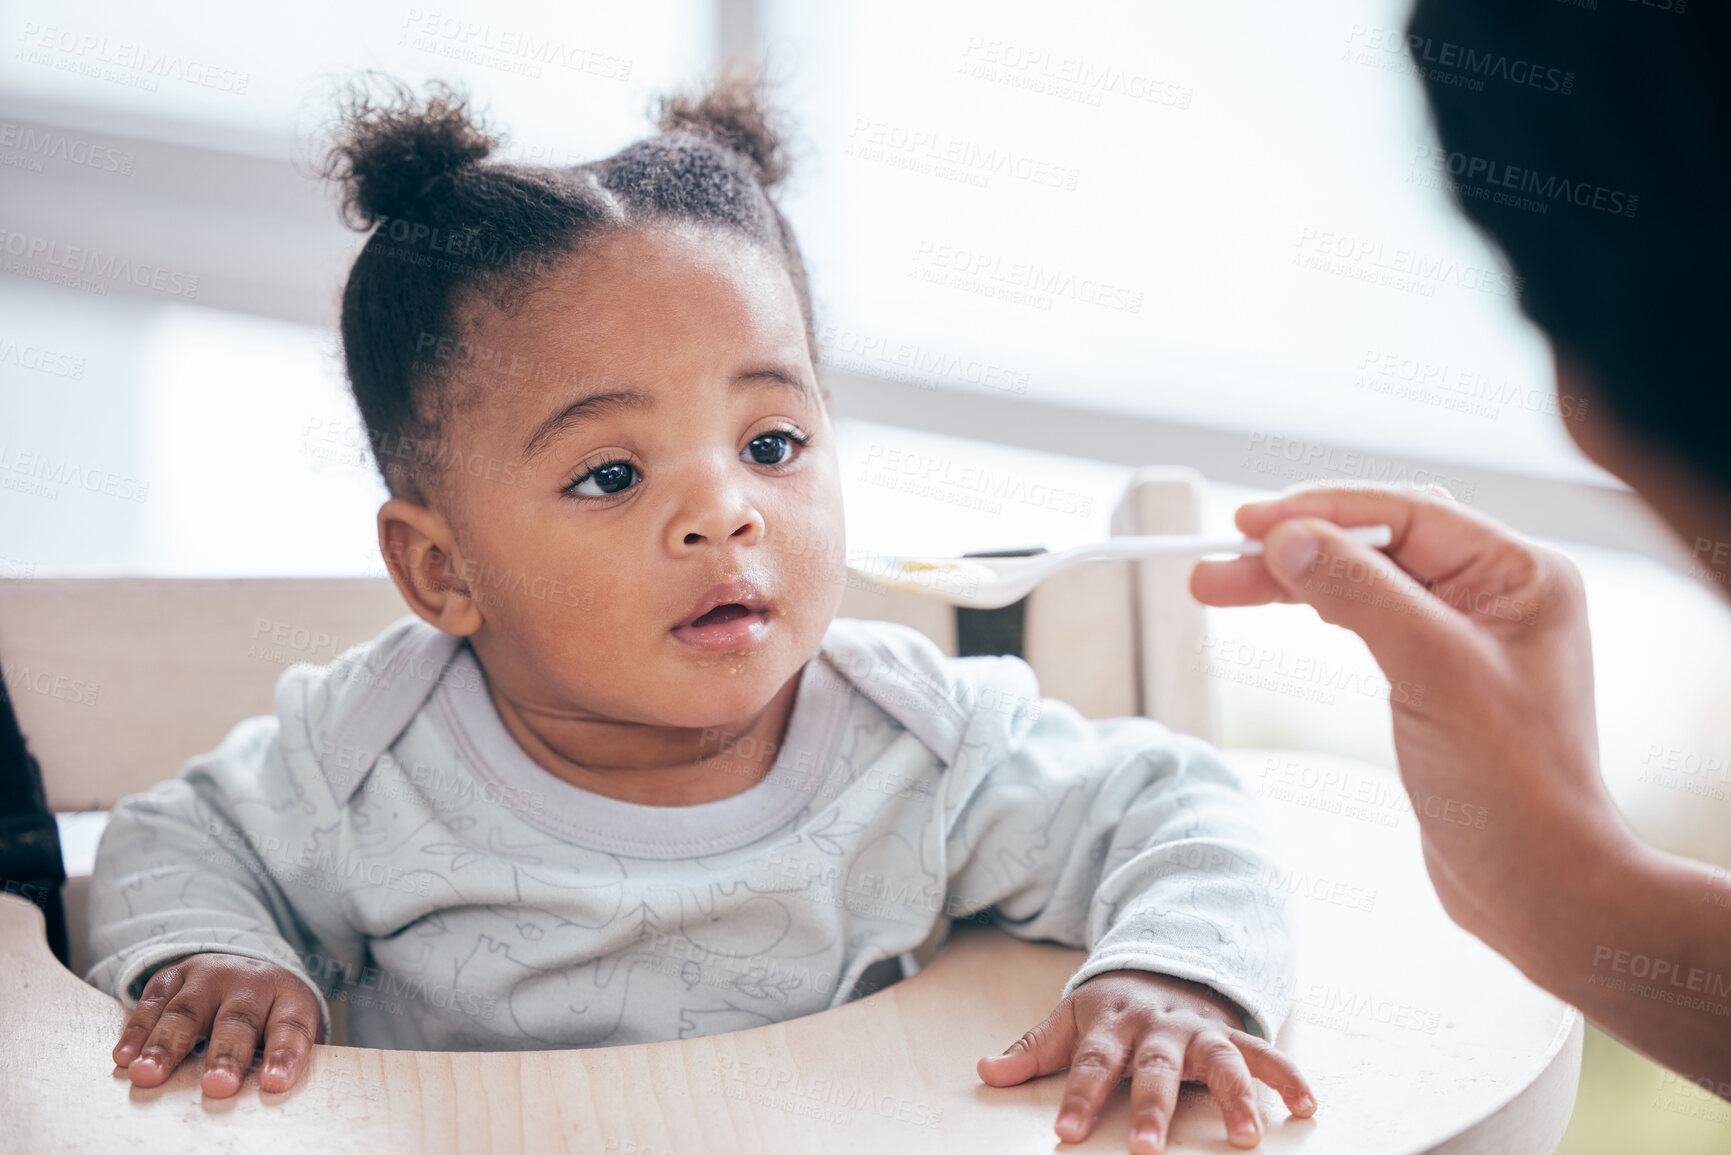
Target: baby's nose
[(714, 523), (693, 537)]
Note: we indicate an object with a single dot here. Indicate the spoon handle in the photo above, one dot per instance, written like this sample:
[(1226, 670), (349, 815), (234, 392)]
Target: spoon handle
[(1185, 545)]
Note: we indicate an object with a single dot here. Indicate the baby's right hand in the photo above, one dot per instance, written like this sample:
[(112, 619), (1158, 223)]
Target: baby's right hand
[(230, 999)]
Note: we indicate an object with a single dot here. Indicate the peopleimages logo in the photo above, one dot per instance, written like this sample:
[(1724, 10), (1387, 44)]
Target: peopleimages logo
[(936, 153), (47, 144), (1068, 77), (911, 362), (87, 53), (102, 267), (1022, 282), (1483, 171), (52, 471), (1458, 63), (41, 360), (1409, 270), (1296, 459), (523, 49)]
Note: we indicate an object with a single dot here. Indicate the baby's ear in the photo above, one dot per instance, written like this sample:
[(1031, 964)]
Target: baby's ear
[(421, 552)]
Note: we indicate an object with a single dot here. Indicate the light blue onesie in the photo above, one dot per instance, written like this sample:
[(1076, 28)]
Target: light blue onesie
[(385, 838)]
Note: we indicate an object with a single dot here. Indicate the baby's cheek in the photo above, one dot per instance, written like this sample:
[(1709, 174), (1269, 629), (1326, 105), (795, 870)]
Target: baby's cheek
[(808, 536), (615, 614), (608, 645), (812, 562), (574, 620), (547, 597)]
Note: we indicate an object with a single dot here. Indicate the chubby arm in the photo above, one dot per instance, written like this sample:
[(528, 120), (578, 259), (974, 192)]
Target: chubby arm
[(192, 924), (1142, 846), (1136, 843)]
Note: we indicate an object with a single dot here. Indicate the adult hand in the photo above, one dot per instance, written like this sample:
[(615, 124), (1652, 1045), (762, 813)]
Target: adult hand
[(1496, 737)]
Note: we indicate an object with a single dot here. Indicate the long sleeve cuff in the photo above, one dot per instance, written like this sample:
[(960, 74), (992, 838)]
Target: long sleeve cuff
[(1263, 1011)]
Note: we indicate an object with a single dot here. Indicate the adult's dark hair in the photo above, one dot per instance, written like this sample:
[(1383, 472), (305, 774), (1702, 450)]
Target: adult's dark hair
[(450, 230), (1589, 141)]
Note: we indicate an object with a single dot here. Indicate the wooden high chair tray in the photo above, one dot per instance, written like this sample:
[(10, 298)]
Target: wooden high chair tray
[(1415, 1036)]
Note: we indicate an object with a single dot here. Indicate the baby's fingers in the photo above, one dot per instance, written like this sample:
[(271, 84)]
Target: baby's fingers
[(1215, 1061), (289, 1036), (1095, 1069), (1155, 1073), (233, 1038), (1044, 1049), (163, 985), (184, 1020), (1274, 1067)]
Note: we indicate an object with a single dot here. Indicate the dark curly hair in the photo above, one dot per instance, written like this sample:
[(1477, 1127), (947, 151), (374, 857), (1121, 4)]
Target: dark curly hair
[(449, 230), (1626, 264)]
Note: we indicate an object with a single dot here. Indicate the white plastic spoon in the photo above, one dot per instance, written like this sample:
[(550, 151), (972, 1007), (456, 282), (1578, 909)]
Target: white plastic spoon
[(986, 583)]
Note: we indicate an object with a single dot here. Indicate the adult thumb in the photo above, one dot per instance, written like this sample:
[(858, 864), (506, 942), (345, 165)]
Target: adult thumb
[(1357, 586)]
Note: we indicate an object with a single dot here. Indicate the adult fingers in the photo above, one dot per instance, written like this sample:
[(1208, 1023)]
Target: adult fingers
[(1274, 1067), (1241, 581), (1156, 1070), (163, 985), (184, 1020), (1434, 537), (1213, 1059), (234, 1036), (1044, 1049), (292, 1030), (1350, 584)]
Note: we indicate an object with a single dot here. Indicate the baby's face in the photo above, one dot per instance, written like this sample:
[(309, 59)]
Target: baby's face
[(676, 552)]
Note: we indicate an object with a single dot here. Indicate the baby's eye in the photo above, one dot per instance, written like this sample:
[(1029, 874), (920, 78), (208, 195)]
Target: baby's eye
[(769, 449), (614, 477)]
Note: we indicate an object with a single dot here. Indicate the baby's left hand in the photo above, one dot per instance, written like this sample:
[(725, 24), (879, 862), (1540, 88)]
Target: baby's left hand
[(1158, 1031)]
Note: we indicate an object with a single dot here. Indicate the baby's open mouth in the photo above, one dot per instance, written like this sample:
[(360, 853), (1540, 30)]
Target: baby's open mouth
[(728, 618), (720, 614)]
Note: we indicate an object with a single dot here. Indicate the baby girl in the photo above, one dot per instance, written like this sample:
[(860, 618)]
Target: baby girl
[(622, 776)]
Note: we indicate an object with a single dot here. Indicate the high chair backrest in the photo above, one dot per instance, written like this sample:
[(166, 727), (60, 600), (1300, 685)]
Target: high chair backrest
[(118, 681)]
